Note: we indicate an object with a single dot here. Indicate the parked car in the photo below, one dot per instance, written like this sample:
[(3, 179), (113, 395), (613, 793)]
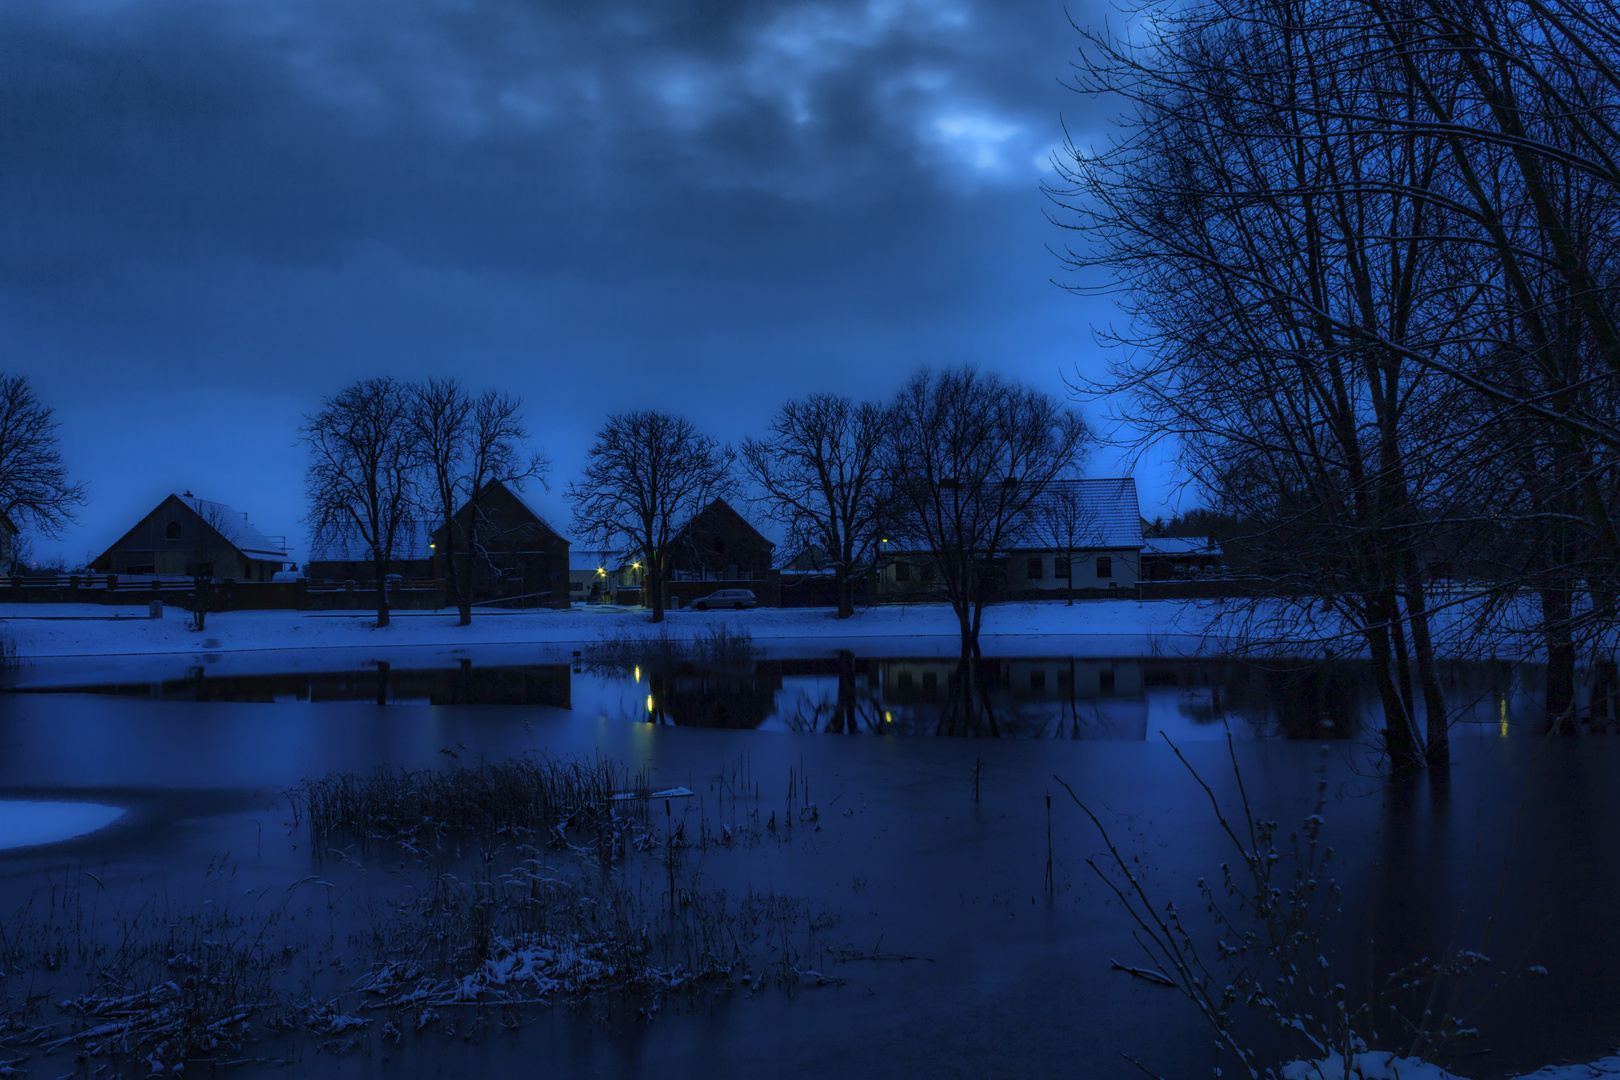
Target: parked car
[(727, 598)]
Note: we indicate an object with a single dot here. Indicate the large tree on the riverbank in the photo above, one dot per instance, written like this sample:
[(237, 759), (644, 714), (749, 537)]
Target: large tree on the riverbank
[(968, 456), (361, 474), (467, 445), (35, 491), (819, 472), (646, 475)]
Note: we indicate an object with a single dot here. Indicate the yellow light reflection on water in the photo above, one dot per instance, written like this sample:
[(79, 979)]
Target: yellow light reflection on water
[(888, 717), (649, 703), (1504, 718), (638, 673)]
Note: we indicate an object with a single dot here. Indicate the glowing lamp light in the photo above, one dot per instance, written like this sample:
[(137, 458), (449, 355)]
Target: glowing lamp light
[(649, 703), (888, 717), (638, 673)]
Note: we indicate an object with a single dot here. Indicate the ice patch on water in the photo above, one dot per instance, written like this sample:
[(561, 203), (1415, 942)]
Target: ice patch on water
[(24, 823)]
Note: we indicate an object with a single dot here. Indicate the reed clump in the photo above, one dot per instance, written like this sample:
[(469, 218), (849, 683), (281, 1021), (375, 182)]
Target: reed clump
[(719, 647), (518, 797)]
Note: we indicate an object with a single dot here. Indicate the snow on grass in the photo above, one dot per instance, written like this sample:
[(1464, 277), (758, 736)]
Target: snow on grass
[(62, 630), (1122, 627)]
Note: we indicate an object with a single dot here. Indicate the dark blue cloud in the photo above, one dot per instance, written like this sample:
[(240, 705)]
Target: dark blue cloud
[(215, 212)]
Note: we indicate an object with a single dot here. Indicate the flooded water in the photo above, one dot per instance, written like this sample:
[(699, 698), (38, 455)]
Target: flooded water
[(931, 853)]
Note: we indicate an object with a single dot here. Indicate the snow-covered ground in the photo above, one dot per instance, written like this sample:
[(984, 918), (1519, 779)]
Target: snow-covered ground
[(1090, 627), (65, 630)]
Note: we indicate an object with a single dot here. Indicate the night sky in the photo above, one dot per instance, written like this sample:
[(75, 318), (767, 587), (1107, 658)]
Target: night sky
[(216, 211)]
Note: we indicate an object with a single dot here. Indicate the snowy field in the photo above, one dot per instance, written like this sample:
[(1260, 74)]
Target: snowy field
[(1095, 627)]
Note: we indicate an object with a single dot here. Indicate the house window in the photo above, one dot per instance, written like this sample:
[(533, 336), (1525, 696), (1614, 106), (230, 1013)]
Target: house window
[(902, 571), (1060, 566), (1035, 568), (1037, 681), (1105, 566), (719, 545), (173, 531), (1105, 682)]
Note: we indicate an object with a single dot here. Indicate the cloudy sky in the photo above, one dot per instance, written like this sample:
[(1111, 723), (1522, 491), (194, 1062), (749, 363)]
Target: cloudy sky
[(217, 211)]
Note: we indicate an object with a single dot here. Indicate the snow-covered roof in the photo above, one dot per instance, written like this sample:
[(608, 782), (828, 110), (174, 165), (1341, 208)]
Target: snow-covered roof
[(1106, 512), (233, 526), (1180, 545), (529, 506), (346, 545)]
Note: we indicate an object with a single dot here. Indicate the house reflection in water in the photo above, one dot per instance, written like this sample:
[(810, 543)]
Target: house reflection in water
[(1062, 698), (730, 699)]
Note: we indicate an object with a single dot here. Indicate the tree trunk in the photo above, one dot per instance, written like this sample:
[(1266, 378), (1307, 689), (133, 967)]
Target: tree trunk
[(846, 599), (1399, 738), (468, 584), (450, 573), (380, 572), (1555, 616), (1437, 747), (652, 583), (1069, 563)]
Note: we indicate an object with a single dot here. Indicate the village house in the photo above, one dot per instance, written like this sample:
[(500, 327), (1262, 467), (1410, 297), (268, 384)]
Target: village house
[(718, 544), (719, 549), (188, 537), (604, 577), (518, 554), (1105, 528)]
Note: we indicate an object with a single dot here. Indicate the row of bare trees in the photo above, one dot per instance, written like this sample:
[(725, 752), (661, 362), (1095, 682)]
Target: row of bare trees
[(386, 456), (956, 465), (1369, 248)]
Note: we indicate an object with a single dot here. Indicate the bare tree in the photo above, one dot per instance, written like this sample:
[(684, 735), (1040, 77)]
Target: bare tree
[(207, 541), (34, 487), (360, 475), (820, 473), (968, 456), (465, 445), (646, 475)]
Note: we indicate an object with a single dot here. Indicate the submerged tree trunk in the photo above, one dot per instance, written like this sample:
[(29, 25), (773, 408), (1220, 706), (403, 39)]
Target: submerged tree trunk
[(1437, 746), (1399, 738), (1555, 628)]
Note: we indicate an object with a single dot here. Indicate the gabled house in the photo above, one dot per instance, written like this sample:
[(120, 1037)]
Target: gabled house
[(718, 544), (516, 552), (343, 555), (185, 536), (1100, 519)]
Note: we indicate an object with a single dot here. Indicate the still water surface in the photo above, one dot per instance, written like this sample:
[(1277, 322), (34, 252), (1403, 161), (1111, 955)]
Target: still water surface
[(933, 849)]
